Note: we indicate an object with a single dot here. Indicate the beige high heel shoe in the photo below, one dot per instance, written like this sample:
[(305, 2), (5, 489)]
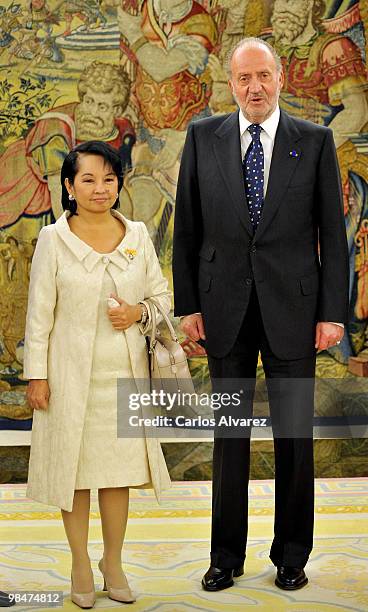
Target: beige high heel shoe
[(83, 600), (123, 595)]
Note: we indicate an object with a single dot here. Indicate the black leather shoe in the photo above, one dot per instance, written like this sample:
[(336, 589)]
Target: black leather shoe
[(290, 578), (218, 578), (5, 601)]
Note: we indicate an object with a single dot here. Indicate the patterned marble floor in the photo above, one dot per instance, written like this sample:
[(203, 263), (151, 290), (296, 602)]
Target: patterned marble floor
[(167, 548)]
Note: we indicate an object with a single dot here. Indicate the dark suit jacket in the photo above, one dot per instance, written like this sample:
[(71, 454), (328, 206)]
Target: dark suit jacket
[(217, 257)]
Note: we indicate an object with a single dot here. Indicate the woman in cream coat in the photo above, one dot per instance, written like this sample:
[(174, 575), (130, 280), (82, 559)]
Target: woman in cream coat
[(76, 347)]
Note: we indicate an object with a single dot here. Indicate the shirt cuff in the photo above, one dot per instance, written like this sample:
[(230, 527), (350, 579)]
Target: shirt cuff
[(182, 316)]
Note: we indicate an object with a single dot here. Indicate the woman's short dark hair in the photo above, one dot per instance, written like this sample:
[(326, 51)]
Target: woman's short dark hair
[(70, 168)]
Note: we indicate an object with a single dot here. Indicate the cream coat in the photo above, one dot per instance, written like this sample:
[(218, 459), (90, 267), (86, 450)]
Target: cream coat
[(64, 291)]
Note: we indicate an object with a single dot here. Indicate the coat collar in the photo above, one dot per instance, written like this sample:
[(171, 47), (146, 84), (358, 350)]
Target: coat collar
[(122, 256)]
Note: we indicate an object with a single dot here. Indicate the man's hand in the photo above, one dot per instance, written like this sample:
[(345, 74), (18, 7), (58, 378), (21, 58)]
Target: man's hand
[(38, 393), (192, 326), (125, 315), (327, 335)]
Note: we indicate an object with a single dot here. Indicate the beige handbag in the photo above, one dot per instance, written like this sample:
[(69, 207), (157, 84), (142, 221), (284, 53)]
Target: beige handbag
[(167, 359)]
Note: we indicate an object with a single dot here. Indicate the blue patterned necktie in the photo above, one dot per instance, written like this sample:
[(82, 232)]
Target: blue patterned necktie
[(253, 170)]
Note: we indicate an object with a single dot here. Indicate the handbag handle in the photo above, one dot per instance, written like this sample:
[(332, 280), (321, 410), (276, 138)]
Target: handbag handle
[(152, 302)]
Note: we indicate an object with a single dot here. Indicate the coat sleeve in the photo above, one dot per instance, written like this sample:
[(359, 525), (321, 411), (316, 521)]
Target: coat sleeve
[(334, 257), (188, 232), (41, 305), (156, 285)]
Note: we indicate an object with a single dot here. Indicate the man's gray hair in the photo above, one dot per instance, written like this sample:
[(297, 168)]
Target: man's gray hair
[(251, 41)]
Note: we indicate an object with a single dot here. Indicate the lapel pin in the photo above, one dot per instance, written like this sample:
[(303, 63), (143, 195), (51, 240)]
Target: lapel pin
[(293, 153)]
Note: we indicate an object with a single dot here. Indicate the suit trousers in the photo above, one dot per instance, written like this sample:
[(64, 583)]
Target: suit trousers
[(294, 471)]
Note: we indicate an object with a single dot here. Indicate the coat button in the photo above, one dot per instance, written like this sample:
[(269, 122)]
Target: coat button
[(248, 281), (105, 260)]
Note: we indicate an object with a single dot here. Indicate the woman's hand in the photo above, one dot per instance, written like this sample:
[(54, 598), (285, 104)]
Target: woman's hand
[(38, 393), (125, 315)]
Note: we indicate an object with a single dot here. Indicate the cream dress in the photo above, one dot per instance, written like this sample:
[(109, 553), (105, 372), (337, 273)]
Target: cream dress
[(68, 288), (104, 459)]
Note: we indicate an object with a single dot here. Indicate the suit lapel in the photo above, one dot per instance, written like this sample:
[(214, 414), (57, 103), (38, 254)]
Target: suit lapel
[(285, 158), (228, 155)]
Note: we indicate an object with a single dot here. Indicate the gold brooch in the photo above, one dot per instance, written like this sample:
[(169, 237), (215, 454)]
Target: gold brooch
[(131, 253)]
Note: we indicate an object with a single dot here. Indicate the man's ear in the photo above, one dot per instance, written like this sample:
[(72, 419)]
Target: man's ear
[(281, 78)]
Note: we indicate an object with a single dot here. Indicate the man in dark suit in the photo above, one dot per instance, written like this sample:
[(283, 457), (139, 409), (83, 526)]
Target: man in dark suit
[(260, 263)]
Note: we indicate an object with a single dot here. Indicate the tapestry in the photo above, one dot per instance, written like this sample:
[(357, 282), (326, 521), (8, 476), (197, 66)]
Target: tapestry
[(135, 73)]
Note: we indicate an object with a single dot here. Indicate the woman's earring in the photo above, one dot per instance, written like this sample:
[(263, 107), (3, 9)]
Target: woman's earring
[(71, 197)]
